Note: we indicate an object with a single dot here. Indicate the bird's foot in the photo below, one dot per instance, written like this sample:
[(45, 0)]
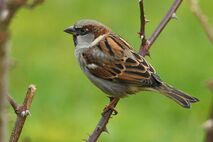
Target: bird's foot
[(111, 106), (107, 108)]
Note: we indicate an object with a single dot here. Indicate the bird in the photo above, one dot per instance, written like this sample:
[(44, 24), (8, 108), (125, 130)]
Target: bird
[(113, 66)]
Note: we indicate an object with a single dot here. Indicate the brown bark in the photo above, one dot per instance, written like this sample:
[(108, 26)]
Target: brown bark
[(22, 111)]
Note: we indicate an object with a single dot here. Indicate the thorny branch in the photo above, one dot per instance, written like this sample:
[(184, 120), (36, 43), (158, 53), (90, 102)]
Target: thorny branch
[(144, 50), (202, 18), (145, 46), (22, 111), (143, 20)]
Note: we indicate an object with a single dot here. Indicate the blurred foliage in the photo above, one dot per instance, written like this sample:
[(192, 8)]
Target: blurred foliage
[(67, 106)]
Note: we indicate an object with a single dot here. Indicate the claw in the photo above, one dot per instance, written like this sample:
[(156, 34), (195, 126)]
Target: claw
[(115, 112), (106, 109), (111, 106)]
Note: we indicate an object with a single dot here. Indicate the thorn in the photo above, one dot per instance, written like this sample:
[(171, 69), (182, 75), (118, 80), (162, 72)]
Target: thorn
[(146, 21), (105, 130), (174, 16), (145, 53)]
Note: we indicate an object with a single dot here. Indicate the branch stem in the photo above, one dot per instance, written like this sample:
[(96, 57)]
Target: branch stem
[(144, 49), (22, 112)]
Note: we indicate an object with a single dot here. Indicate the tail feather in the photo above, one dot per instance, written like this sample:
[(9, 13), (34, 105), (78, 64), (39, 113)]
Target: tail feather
[(178, 96)]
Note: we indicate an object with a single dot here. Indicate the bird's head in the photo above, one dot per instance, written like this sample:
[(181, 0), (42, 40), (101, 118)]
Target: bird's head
[(86, 31)]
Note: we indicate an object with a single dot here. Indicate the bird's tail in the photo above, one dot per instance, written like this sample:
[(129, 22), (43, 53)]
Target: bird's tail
[(178, 96)]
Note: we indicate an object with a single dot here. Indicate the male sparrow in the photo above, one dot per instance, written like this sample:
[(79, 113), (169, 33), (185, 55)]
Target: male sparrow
[(113, 66)]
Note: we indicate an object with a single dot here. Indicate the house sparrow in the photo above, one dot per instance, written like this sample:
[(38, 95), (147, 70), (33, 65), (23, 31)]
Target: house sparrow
[(113, 66)]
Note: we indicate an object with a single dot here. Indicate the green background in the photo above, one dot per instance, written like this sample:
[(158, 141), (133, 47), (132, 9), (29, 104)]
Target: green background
[(67, 106)]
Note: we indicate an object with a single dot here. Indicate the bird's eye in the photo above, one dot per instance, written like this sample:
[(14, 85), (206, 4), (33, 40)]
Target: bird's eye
[(83, 31)]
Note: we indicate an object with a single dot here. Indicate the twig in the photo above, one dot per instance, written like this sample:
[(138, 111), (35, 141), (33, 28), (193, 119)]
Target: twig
[(170, 14), (13, 103), (22, 112), (145, 46), (143, 21), (202, 18)]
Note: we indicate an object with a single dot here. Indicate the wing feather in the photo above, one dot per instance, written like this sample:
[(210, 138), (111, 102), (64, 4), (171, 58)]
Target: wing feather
[(115, 60)]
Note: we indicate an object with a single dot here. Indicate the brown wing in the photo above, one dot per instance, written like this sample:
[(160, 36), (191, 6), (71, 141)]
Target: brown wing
[(113, 59)]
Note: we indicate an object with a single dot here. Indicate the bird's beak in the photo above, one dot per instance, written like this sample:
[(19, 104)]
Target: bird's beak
[(70, 30)]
